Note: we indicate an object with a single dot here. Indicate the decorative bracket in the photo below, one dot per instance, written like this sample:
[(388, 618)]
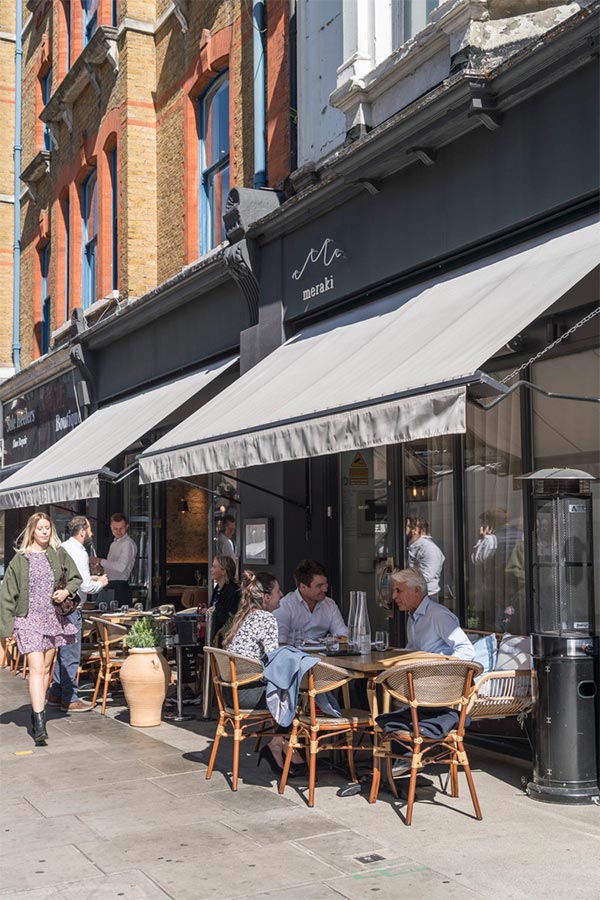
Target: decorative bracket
[(66, 113), (426, 155), (91, 70), (237, 260), (484, 105), (180, 8)]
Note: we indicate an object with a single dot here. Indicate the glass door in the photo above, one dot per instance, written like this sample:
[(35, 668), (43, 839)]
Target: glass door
[(366, 551)]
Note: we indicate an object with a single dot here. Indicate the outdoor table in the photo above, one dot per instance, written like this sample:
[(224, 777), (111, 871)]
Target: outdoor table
[(369, 665)]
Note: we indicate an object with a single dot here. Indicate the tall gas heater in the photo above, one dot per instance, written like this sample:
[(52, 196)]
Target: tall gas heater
[(565, 641)]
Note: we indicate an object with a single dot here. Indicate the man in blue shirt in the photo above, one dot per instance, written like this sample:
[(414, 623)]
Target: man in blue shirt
[(430, 626)]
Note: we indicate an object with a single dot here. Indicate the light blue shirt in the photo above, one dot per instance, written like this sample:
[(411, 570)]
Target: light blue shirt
[(294, 615), (434, 629)]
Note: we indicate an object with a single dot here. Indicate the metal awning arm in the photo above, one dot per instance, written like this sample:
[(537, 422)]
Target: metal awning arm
[(534, 387)]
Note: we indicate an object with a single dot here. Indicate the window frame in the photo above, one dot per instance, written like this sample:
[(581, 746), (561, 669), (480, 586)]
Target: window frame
[(206, 212), (44, 254), (89, 244), (113, 160), (90, 21), (46, 89)]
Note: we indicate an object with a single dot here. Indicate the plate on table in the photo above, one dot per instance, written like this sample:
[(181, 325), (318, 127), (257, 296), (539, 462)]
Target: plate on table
[(311, 646)]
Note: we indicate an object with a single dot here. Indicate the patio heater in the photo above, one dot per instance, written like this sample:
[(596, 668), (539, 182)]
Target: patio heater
[(564, 640)]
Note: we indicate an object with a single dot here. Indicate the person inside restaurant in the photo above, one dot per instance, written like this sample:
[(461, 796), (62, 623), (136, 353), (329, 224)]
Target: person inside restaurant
[(430, 626), (308, 613), (424, 554), (120, 559), (226, 590)]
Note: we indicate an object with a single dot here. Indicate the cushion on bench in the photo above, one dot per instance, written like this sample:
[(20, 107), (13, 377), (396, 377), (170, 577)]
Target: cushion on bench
[(485, 652), (514, 652)]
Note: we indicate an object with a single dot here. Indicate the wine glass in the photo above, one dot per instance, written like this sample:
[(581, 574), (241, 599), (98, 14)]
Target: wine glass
[(102, 607), (139, 607), (113, 606), (197, 577), (381, 640)]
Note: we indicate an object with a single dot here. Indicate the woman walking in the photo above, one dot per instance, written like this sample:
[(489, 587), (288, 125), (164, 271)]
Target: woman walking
[(40, 575)]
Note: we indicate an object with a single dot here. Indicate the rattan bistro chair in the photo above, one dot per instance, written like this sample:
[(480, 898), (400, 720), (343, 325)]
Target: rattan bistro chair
[(231, 671), (313, 733), (426, 684), (110, 637)]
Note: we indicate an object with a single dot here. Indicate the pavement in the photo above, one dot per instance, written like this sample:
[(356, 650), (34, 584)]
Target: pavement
[(108, 811)]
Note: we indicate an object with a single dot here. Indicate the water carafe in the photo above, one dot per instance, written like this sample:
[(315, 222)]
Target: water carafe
[(362, 624)]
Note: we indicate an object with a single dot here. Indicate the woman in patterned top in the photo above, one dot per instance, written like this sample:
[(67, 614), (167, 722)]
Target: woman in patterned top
[(31, 587), (254, 633)]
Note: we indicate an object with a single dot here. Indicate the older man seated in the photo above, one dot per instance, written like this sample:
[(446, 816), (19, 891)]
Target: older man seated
[(308, 612), (430, 626)]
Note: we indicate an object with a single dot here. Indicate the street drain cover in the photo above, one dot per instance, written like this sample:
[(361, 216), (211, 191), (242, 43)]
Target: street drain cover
[(369, 858)]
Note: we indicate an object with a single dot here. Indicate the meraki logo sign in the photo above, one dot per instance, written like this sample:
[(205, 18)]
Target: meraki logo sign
[(319, 259)]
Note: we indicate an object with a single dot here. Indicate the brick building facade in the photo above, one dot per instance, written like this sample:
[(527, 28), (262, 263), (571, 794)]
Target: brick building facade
[(113, 99), (7, 129)]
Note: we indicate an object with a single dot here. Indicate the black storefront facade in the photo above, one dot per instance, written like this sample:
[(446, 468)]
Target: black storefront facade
[(477, 174), (474, 174)]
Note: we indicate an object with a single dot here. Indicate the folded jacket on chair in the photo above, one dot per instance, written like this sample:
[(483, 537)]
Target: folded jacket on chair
[(433, 723)]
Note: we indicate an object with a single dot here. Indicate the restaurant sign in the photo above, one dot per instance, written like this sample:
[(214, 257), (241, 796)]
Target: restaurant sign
[(35, 421), (316, 266)]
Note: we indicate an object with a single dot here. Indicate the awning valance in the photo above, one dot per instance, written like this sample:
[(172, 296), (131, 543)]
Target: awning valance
[(70, 468), (386, 372)]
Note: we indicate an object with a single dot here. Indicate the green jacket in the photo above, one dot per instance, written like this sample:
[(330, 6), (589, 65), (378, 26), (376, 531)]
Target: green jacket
[(14, 592)]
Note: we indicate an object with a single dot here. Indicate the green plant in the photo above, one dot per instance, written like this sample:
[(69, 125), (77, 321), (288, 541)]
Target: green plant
[(143, 633)]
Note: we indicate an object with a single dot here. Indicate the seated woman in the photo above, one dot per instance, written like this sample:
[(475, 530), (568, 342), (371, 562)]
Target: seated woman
[(254, 633)]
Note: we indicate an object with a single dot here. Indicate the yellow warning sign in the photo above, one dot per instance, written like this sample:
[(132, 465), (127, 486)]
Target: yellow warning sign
[(359, 470)]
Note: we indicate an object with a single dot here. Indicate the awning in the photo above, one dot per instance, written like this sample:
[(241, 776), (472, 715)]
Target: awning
[(389, 371), (70, 468)]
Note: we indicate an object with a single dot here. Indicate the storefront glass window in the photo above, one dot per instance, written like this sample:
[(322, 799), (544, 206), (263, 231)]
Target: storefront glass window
[(136, 502), (566, 433), (365, 530), (226, 522), (429, 505), (494, 518)]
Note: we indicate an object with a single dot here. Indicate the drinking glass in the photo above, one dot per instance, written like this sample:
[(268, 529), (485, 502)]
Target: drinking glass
[(332, 644), (114, 606), (139, 607), (364, 643), (125, 608), (102, 606), (297, 637), (381, 640)]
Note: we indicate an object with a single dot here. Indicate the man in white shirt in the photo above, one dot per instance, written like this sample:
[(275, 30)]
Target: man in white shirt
[(120, 559), (308, 613), (225, 545), (424, 554), (63, 690)]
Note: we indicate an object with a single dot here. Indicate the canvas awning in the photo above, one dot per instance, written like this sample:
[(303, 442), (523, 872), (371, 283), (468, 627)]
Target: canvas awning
[(393, 370), (70, 468)]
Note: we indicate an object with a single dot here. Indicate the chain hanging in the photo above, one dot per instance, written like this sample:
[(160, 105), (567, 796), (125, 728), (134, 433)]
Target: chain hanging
[(551, 346)]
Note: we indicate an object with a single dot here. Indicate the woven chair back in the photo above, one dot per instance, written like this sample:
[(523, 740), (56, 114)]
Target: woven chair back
[(243, 667), (327, 677), (106, 633), (442, 683)]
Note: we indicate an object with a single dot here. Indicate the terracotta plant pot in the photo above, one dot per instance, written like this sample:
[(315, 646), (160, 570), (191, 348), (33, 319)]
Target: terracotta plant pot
[(145, 677)]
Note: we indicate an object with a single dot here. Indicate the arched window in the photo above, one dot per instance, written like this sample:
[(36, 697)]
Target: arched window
[(90, 238), (214, 161), (46, 85), (114, 218), (45, 298)]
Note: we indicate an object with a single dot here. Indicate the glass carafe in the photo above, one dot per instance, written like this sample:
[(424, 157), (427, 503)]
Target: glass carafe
[(362, 624)]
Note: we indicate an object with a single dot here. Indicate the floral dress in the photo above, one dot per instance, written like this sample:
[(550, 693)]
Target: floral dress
[(43, 627)]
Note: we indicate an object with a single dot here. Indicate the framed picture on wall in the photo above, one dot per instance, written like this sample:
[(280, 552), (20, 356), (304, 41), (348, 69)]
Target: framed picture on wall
[(257, 548)]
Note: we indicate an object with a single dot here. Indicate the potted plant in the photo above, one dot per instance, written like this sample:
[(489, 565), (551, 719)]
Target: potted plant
[(145, 674)]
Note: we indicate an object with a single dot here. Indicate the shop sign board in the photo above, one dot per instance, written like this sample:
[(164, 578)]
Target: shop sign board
[(35, 421)]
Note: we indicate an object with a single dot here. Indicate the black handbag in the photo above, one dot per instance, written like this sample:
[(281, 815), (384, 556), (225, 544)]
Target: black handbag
[(67, 606)]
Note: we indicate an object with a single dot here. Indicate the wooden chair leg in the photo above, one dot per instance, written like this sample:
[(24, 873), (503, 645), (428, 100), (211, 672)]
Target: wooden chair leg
[(376, 779), (389, 762), (211, 763), (17, 660), (237, 737), (411, 795), (107, 675), (312, 769), (24, 672), (287, 762), (97, 688), (472, 791), (350, 755)]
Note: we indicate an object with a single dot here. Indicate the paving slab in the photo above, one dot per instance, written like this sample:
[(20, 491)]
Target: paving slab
[(41, 834), (294, 823), (38, 868), (413, 880)]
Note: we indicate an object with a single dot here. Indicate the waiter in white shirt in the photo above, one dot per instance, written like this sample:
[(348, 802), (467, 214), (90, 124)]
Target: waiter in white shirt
[(120, 559), (63, 690), (308, 612)]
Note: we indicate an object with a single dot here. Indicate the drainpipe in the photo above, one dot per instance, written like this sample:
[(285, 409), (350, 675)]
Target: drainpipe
[(17, 191), (260, 135)]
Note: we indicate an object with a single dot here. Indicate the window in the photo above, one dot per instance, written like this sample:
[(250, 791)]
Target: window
[(493, 517), (44, 268), (66, 208), (67, 8), (214, 162), (90, 19), (90, 238), (114, 219), (46, 82), (409, 17)]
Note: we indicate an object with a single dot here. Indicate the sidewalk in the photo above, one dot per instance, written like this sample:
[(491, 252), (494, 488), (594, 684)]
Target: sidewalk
[(107, 811)]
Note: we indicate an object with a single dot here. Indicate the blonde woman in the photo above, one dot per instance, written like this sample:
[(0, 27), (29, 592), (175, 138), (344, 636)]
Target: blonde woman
[(254, 633), (226, 590), (27, 597)]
